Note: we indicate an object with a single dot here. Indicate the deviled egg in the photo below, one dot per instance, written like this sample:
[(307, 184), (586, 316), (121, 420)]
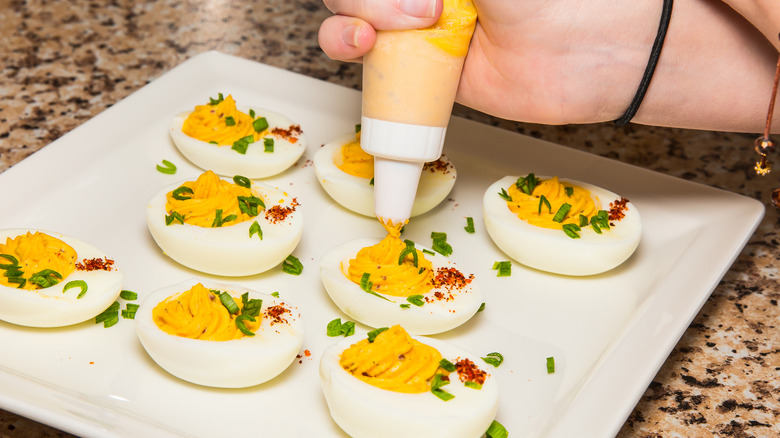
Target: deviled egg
[(229, 140), (561, 226), (225, 227), (346, 173), (393, 282), (48, 279), (394, 385), (219, 335)]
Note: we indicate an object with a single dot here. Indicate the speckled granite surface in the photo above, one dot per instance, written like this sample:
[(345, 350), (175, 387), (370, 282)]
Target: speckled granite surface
[(62, 63)]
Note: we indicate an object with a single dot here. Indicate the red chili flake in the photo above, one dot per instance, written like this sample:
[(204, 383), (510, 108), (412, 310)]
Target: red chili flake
[(306, 353), (468, 371), (96, 264), (290, 134), (277, 213), (276, 313), (450, 278), (617, 209), (438, 166)]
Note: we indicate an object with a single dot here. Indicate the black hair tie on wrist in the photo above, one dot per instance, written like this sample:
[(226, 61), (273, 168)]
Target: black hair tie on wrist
[(655, 53)]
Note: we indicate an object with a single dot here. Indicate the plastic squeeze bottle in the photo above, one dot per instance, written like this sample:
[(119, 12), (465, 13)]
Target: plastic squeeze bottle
[(410, 78)]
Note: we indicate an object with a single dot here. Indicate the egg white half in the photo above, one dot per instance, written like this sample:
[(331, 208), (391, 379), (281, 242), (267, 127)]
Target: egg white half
[(357, 194), (50, 307), (238, 363), (228, 250), (363, 410), (434, 317), (552, 250), (223, 160)]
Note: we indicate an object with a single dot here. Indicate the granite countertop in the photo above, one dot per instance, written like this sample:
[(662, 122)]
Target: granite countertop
[(62, 64)]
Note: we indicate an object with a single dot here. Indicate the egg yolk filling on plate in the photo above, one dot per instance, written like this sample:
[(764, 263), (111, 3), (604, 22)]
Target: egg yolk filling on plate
[(354, 160), (35, 261), (211, 201), (210, 315), (392, 361), (220, 122), (392, 266)]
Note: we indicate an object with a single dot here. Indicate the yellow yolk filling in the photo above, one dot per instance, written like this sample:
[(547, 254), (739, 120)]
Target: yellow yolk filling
[(210, 193), (380, 261), (34, 253), (526, 207), (199, 314), (394, 361), (355, 161), (452, 32), (208, 123)]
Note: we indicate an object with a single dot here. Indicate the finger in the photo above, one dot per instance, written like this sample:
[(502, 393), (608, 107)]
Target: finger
[(346, 38), (389, 14)]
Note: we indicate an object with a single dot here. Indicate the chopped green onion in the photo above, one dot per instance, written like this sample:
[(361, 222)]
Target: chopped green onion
[(429, 252), (472, 384), (255, 229), (404, 306), (436, 385), (248, 204), (543, 200), (571, 230), (550, 365), (230, 304), (496, 430), (128, 295), (45, 278), (595, 227), (213, 102), (371, 183), (251, 113), (374, 333), (583, 220), (561, 213), (527, 184), (250, 307), (446, 365), (81, 284), (337, 328), (167, 167), (504, 268), (417, 300), (13, 272), (367, 285), (260, 125), (569, 190), (505, 195), (213, 142), (10, 258), (219, 221), (292, 265), (111, 320), (110, 316), (242, 144), (469, 225), (481, 307), (494, 359), (126, 314), (242, 327), (357, 128), (406, 251), (132, 307), (242, 181), (21, 281), (174, 216), (268, 144), (440, 244), (177, 194), (275, 294), (230, 121)]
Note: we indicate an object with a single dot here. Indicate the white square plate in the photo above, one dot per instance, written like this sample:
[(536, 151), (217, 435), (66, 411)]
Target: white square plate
[(609, 333)]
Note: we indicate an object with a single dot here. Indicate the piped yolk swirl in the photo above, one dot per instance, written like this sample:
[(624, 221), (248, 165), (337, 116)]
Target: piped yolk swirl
[(527, 207), (210, 123), (354, 160), (199, 314), (394, 361), (209, 194), (36, 252)]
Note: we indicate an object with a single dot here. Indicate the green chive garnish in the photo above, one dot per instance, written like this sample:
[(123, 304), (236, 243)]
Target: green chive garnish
[(527, 184), (128, 295), (504, 268), (251, 113), (404, 306), (255, 229), (174, 216), (230, 304), (10, 258), (505, 195), (167, 167), (213, 102), (260, 125), (81, 284), (45, 278), (583, 220), (407, 251), (292, 265), (132, 307), (436, 385), (496, 430), (242, 327), (561, 213), (569, 190), (481, 307), (178, 193), (440, 244), (572, 230), (543, 200), (357, 128), (469, 225), (230, 121), (242, 144), (417, 300), (268, 144), (275, 294), (249, 204), (371, 183), (242, 181), (337, 328), (110, 316), (494, 359), (429, 252), (472, 385), (213, 142), (550, 365), (446, 365), (374, 333), (368, 286)]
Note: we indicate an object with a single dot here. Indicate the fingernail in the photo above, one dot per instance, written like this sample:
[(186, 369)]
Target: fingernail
[(419, 8), (350, 35)]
